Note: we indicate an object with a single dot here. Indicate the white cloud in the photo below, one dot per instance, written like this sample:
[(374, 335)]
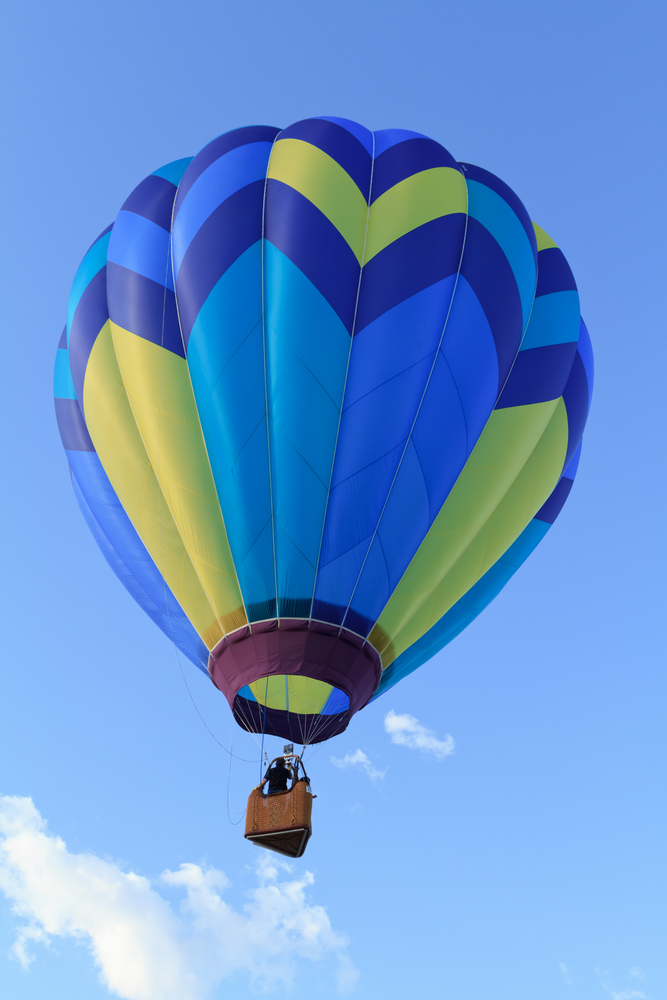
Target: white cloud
[(566, 975), (359, 759), (409, 732), (629, 995), (143, 948)]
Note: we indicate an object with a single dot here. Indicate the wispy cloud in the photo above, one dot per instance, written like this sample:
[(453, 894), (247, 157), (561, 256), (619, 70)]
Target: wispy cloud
[(566, 975), (622, 994), (359, 759), (143, 948), (409, 732)]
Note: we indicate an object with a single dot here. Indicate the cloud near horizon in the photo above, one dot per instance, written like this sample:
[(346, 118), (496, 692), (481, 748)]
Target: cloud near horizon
[(143, 948), (359, 759), (406, 731)]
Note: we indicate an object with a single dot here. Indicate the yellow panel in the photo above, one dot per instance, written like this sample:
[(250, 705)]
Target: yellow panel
[(500, 454), (271, 691), (544, 241), (115, 435), (318, 177), (411, 203), (529, 491), (160, 394), (306, 696)]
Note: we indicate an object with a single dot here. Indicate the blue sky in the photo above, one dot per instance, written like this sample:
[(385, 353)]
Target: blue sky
[(528, 862)]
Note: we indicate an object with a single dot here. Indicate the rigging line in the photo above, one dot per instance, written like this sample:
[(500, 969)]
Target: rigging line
[(347, 372), (261, 759), (229, 781), (414, 422)]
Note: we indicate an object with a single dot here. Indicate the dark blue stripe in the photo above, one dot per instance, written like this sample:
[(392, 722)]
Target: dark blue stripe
[(552, 507), (304, 234), (227, 233), (576, 399), (487, 270), (73, 431), (153, 199), (144, 307), (407, 158), (410, 264), (339, 144), (553, 273), (62, 343), (90, 316), (474, 173), (538, 375), (217, 148)]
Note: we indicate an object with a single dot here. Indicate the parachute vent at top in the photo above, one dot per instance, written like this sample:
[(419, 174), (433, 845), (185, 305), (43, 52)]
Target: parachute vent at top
[(322, 392)]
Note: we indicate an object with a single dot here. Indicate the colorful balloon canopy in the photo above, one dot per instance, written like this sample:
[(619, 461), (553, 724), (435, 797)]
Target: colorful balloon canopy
[(322, 392)]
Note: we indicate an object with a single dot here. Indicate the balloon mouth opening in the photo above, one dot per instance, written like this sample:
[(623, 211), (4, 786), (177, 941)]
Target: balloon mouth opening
[(298, 679)]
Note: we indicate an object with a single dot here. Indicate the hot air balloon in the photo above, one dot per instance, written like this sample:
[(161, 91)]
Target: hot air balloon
[(322, 392)]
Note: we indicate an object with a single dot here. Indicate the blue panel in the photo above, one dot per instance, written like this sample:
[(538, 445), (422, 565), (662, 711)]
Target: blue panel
[(388, 137), (153, 200), (575, 397), (554, 320), (486, 269), (338, 142), (389, 368), (364, 135), (409, 265), (227, 233), (570, 470), (406, 158), (142, 246), (538, 375), (307, 354), (144, 307), (91, 264), (90, 316), (72, 427), (226, 362), (554, 274), (223, 178), (489, 180), (128, 557), (217, 148), (467, 608), (496, 215), (554, 503), (336, 703), (174, 171), (585, 350), (306, 236), (457, 404), (63, 386)]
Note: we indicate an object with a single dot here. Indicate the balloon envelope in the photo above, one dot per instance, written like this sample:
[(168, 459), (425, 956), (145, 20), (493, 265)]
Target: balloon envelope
[(322, 391)]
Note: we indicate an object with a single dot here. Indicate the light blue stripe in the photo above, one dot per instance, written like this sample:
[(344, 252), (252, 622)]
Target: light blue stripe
[(554, 320), (141, 246), (93, 262), (225, 176), (307, 354), (226, 362), (467, 608), (63, 386), (174, 171), (496, 215)]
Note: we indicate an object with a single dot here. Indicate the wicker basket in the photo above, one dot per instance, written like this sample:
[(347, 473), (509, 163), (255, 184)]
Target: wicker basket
[(280, 822)]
